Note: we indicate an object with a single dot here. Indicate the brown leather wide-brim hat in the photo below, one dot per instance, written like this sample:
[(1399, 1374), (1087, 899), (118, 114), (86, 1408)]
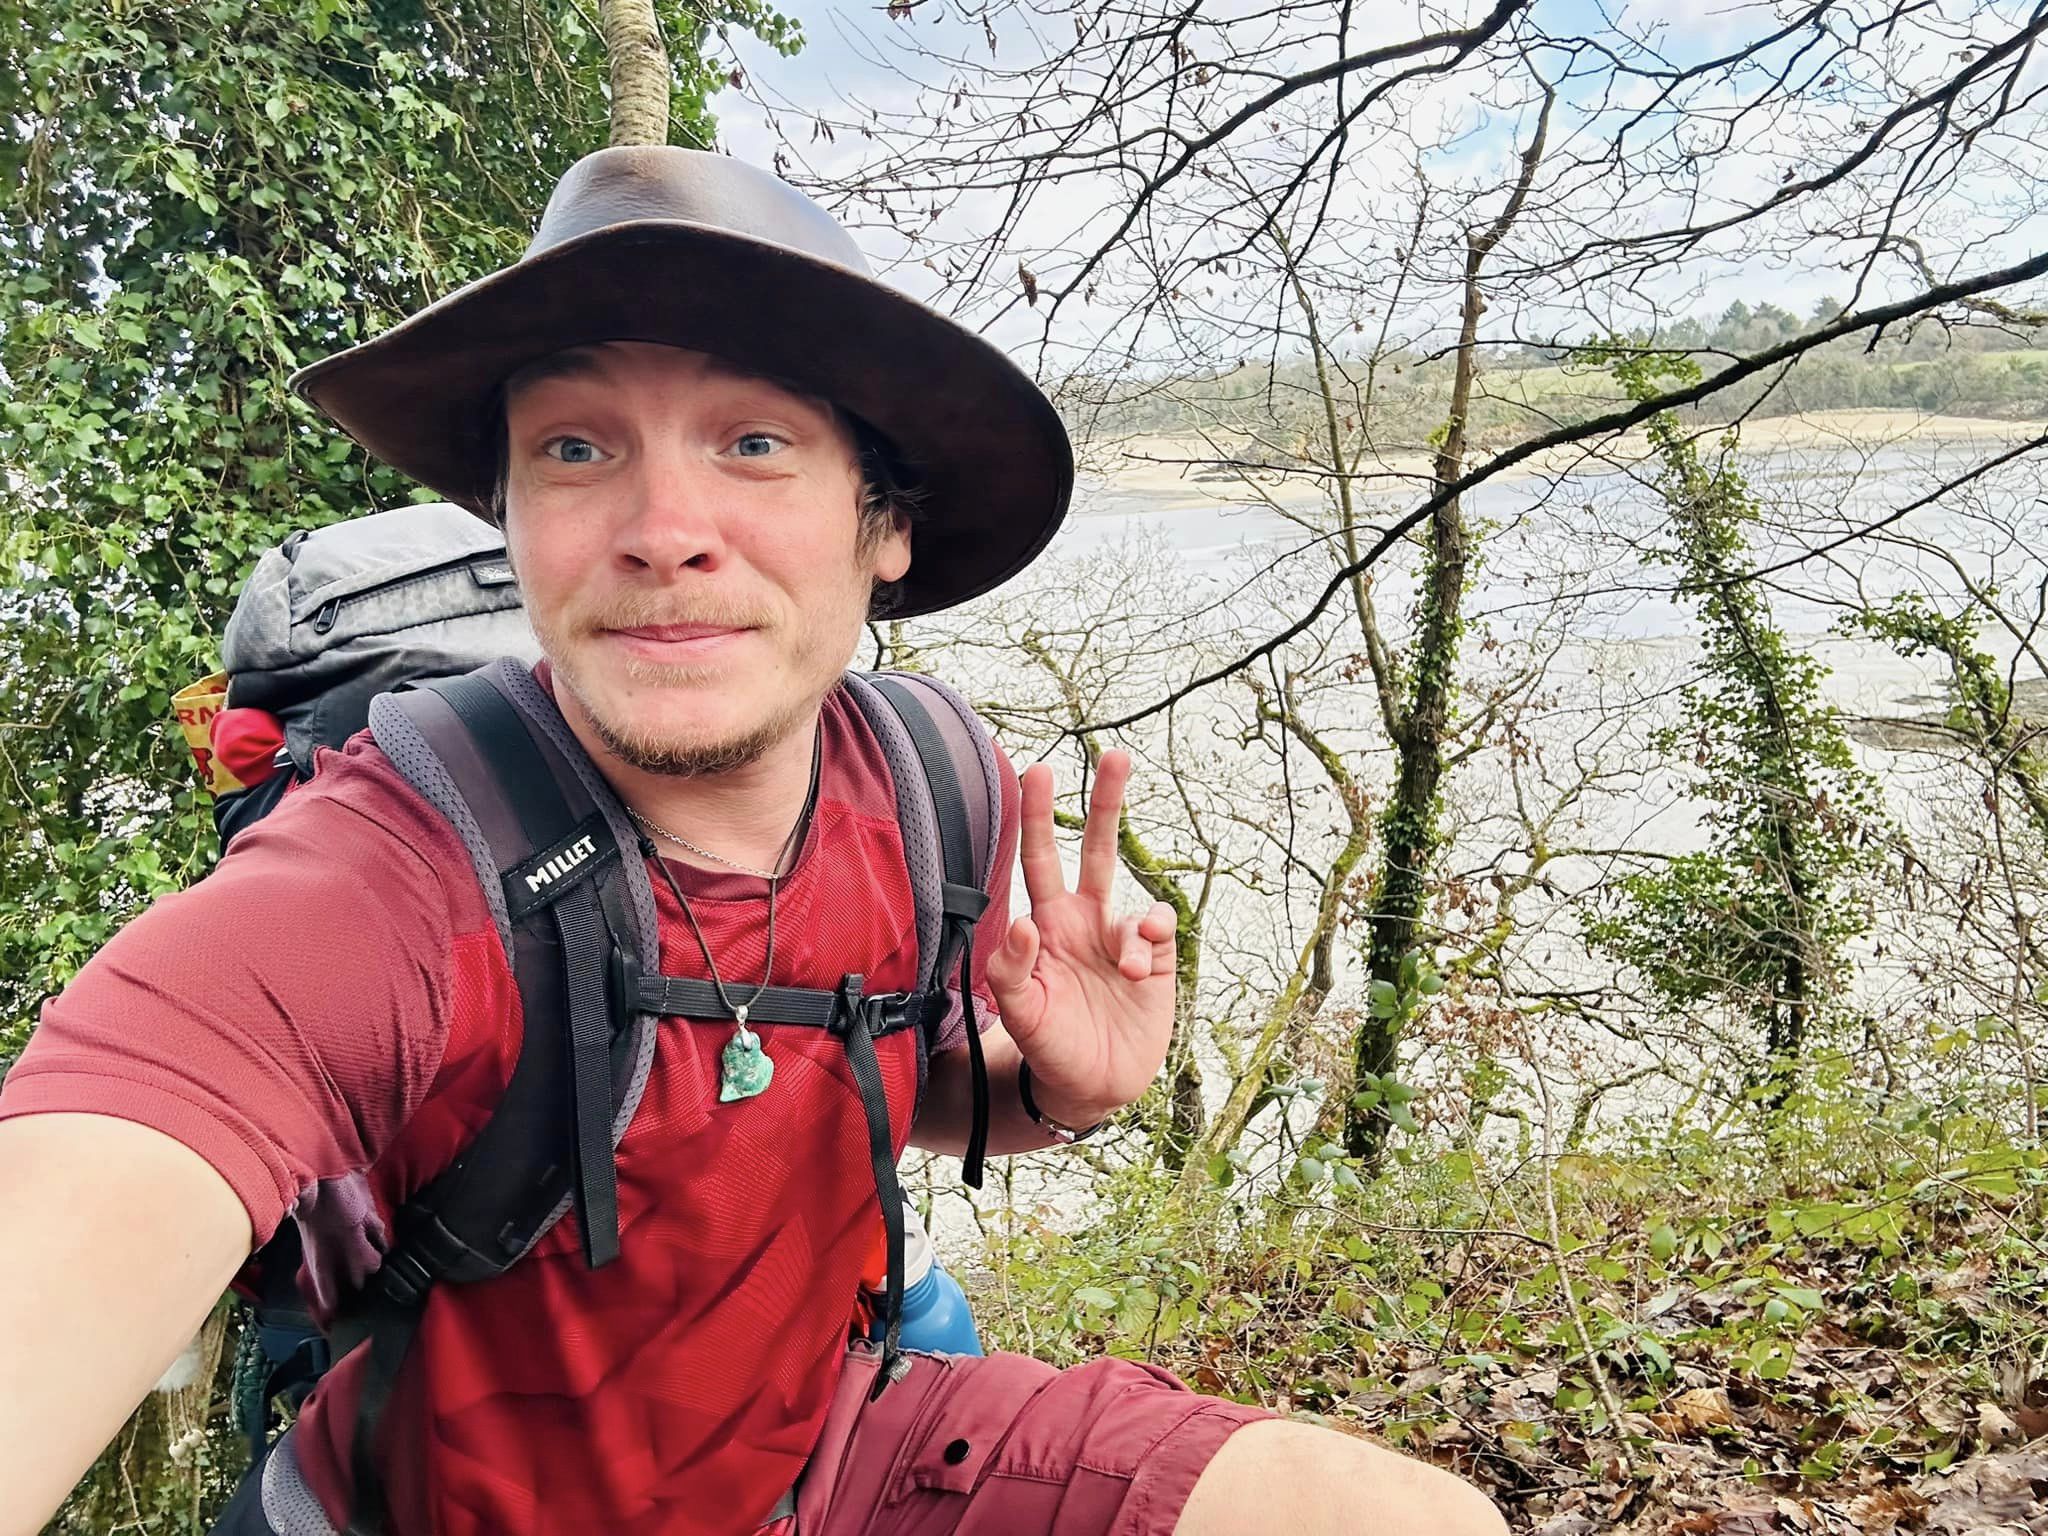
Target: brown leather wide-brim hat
[(698, 250)]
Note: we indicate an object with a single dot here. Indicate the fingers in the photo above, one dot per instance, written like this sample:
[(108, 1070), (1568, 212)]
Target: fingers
[(1145, 943), (1098, 837), (1036, 847), (1159, 923)]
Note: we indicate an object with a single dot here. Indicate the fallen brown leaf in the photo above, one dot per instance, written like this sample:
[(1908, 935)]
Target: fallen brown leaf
[(1985, 1492), (1995, 1427), (1726, 1522), (1695, 1412), (1884, 1510)]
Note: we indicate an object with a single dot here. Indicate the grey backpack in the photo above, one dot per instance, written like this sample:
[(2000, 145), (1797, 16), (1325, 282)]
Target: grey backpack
[(334, 616)]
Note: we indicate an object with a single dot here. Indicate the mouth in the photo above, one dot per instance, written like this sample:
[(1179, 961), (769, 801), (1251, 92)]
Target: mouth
[(676, 642)]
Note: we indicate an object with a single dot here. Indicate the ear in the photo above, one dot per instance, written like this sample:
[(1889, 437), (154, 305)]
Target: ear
[(892, 551)]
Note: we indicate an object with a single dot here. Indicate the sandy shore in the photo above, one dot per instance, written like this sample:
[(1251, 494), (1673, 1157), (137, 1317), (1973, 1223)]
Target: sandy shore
[(1196, 468)]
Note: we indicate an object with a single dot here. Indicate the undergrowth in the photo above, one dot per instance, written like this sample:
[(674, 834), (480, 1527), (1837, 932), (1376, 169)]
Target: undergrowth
[(1821, 1314), (1800, 1324)]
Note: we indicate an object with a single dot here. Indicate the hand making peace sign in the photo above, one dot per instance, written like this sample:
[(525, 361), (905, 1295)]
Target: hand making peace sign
[(1086, 995)]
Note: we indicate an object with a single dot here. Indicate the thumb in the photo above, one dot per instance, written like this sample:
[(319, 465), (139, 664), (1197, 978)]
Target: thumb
[(1009, 968)]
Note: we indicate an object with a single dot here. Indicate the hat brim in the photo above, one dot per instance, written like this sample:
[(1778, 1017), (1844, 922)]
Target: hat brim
[(992, 454)]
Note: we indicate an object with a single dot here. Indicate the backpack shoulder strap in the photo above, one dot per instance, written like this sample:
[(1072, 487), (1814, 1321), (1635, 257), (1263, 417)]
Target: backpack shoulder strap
[(948, 796), (547, 841), (949, 804)]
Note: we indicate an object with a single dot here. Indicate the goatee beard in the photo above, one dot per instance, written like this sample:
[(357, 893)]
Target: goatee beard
[(686, 762)]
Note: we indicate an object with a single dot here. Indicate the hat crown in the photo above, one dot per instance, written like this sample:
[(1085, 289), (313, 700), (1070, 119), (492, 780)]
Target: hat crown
[(666, 183)]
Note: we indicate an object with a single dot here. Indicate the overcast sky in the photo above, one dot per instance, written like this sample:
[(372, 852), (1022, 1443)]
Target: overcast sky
[(845, 61)]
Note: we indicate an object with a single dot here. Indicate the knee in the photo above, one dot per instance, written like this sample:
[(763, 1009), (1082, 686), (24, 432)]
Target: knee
[(1290, 1476)]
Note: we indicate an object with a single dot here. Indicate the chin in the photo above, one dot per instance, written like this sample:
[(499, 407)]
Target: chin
[(689, 742)]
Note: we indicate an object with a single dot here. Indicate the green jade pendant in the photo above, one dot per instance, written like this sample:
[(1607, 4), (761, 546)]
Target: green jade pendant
[(744, 1068)]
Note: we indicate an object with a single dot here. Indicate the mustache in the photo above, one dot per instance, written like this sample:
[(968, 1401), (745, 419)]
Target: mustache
[(650, 611)]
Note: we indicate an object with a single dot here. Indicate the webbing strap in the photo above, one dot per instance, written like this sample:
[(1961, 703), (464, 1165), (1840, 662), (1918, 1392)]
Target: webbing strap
[(687, 997), (964, 902), (977, 1065), (390, 1328), (586, 955), (874, 1103)]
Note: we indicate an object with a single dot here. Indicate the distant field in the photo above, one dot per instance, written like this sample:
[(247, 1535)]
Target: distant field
[(1409, 399)]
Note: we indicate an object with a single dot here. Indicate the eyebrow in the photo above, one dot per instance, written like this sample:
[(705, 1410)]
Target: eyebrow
[(576, 362), (584, 362)]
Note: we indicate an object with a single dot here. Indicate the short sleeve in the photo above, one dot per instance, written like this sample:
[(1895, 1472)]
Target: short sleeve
[(284, 1016)]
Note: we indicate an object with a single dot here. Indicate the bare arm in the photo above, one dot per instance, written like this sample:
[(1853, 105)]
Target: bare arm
[(115, 1241), (947, 1113)]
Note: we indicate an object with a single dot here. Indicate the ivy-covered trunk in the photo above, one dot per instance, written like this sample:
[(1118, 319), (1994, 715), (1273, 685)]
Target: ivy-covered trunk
[(1753, 924), (1420, 725), (1408, 827)]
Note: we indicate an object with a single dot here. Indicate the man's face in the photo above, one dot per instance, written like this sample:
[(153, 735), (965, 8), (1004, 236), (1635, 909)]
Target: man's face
[(688, 544)]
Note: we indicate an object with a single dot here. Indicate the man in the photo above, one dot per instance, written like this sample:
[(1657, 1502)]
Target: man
[(699, 421)]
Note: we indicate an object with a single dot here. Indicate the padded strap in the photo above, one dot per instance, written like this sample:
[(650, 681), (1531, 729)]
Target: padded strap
[(956, 840), (964, 899), (529, 785), (555, 878)]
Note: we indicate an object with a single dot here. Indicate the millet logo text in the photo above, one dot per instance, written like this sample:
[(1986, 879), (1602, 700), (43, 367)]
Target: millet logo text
[(561, 864)]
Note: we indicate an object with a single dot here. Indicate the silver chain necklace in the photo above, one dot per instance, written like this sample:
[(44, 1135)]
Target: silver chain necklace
[(649, 824), (744, 1068)]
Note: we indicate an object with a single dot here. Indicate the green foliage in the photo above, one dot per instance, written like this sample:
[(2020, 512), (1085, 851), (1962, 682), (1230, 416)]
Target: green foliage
[(204, 195), (1824, 1300), (2005, 743), (1988, 371), (1757, 920)]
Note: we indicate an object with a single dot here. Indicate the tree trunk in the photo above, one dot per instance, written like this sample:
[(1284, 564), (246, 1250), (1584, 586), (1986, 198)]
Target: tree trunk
[(1408, 830), (640, 71)]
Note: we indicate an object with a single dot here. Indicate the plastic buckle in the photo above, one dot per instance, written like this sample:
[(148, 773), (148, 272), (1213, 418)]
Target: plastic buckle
[(403, 1278), (883, 1013), (622, 988)]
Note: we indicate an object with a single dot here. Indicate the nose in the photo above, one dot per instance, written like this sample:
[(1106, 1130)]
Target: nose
[(673, 519)]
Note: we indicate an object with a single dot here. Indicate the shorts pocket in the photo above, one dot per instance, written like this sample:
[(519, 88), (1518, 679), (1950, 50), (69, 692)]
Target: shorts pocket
[(968, 1419)]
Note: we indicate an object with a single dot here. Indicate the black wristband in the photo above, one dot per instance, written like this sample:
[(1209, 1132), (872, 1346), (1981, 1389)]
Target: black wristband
[(1065, 1133)]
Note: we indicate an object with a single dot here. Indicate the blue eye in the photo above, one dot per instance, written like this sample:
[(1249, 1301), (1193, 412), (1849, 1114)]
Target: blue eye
[(572, 450), (756, 445)]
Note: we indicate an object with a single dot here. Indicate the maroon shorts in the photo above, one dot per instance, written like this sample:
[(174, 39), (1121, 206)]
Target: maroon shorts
[(1009, 1446)]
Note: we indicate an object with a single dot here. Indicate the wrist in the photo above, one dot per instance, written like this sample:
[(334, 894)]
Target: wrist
[(1053, 1120)]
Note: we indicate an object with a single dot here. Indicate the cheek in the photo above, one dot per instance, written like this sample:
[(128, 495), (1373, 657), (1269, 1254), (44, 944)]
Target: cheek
[(543, 568), (796, 547)]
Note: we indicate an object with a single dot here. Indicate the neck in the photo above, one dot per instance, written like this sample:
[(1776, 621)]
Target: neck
[(744, 814)]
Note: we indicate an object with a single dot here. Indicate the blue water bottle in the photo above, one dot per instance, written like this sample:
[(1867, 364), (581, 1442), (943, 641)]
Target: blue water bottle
[(935, 1315)]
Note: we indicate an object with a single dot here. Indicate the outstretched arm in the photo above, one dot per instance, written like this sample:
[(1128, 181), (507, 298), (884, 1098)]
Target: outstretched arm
[(115, 1242)]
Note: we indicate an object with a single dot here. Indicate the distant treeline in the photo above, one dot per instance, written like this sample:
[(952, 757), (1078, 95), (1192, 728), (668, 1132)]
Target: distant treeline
[(1982, 369)]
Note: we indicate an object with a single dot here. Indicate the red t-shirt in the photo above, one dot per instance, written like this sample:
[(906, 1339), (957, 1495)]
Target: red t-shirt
[(329, 1016)]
